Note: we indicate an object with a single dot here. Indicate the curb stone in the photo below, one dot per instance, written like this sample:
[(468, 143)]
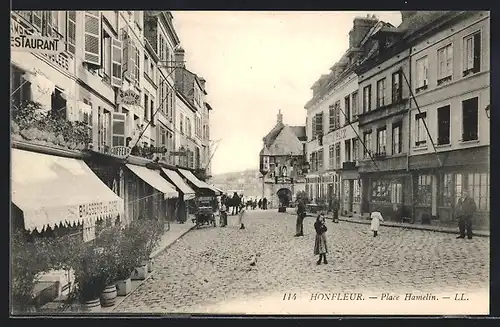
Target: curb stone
[(414, 227)]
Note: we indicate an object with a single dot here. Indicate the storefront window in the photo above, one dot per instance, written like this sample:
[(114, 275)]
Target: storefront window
[(424, 190), (381, 191), (446, 193), (478, 185), (396, 192), (356, 197)]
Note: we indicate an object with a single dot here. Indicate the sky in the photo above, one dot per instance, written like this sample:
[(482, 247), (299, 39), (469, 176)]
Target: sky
[(257, 63)]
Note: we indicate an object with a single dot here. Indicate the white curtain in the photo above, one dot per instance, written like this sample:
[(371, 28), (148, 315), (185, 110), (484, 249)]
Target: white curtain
[(41, 89)]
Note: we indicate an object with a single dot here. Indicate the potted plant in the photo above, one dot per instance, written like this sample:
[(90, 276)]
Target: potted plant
[(149, 233), (127, 259)]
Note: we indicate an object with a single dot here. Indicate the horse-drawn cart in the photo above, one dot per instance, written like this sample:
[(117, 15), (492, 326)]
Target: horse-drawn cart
[(205, 211)]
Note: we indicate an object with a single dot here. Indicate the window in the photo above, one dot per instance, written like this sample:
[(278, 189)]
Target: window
[(188, 127), (118, 129), (446, 190), (420, 133), (445, 64), (381, 141), (422, 74), (146, 65), (458, 187), (443, 125), (381, 93), (58, 105), (367, 140), (347, 150), (137, 71), (181, 120), (397, 87), (71, 31), (152, 69), (381, 191), (321, 156), (355, 149), (106, 55), (347, 103), (331, 156), (472, 54), (479, 187), (331, 114), (152, 109), (470, 119), (337, 115), (161, 50), (20, 88), (396, 192), (356, 192), (104, 118), (146, 105), (397, 139), (424, 190), (337, 155), (92, 38), (318, 123), (354, 103), (367, 98)]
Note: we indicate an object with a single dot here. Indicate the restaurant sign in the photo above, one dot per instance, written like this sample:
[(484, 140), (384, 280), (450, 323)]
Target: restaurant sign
[(21, 39), (128, 97)]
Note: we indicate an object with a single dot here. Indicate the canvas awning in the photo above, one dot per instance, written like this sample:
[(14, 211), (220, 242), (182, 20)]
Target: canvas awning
[(154, 179), (179, 183), (218, 189), (52, 190), (196, 182)]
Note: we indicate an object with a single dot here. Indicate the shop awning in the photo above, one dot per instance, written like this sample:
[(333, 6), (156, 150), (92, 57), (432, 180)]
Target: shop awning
[(179, 183), (196, 182), (154, 179), (51, 190), (218, 189)]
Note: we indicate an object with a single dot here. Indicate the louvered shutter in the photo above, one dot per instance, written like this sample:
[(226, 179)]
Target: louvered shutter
[(92, 37), (116, 62), (118, 129), (131, 60), (37, 19), (125, 57), (47, 17), (71, 31)]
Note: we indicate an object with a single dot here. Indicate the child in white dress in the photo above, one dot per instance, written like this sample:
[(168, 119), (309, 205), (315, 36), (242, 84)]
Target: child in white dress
[(376, 219)]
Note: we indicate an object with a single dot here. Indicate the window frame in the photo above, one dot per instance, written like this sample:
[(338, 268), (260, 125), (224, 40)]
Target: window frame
[(379, 150), (421, 84), (418, 118), (381, 92), (447, 74), (367, 103), (472, 137), (471, 70), (438, 127)]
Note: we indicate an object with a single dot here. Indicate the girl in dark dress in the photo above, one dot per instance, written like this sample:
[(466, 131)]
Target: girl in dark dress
[(320, 246)]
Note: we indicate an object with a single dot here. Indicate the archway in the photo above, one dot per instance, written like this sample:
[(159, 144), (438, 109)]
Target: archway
[(284, 196)]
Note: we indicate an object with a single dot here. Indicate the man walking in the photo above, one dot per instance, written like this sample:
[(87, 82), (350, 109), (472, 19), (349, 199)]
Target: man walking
[(466, 207), (264, 203), (335, 209), (301, 214)]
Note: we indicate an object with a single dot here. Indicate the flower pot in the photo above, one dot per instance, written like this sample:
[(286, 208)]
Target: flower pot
[(140, 273), (123, 287), (92, 305), (108, 296)]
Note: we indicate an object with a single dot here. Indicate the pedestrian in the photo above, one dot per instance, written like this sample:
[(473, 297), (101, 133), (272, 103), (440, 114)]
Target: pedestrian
[(301, 214), (335, 209), (376, 219), (223, 214), (466, 207), (240, 216), (260, 203), (320, 245), (264, 203)]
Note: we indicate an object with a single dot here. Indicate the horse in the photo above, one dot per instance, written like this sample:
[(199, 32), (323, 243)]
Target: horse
[(234, 202)]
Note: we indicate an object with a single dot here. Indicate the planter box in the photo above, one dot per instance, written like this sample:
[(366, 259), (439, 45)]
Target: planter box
[(150, 265), (140, 273), (123, 287)]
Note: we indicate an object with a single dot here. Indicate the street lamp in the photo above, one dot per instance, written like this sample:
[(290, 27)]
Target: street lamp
[(487, 109)]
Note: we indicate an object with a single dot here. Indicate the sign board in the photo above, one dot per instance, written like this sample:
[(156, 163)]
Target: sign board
[(155, 149), (21, 39), (120, 151), (128, 97)]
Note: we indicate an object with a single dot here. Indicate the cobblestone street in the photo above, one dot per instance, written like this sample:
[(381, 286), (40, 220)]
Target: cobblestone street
[(210, 267)]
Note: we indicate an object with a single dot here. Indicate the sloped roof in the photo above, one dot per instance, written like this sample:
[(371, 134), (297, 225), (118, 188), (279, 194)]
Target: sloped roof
[(264, 152), (269, 139), (419, 20)]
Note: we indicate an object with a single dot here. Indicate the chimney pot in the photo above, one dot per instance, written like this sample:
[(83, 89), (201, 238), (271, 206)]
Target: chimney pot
[(280, 117)]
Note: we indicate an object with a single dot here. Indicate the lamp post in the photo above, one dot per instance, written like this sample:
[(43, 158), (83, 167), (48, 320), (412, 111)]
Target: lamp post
[(487, 110)]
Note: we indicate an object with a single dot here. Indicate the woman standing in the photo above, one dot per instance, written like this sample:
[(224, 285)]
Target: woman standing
[(320, 246), (376, 219), (240, 216)]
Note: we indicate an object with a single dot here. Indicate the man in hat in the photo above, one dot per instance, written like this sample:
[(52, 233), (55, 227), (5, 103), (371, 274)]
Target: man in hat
[(466, 207)]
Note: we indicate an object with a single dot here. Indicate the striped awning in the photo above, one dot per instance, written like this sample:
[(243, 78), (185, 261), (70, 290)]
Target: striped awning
[(179, 183), (52, 190), (154, 179)]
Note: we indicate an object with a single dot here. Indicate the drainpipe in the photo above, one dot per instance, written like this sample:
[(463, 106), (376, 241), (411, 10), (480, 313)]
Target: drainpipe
[(409, 145)]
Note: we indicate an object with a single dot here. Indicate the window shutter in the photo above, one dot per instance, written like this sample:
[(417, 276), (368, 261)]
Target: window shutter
[(125, 56), (92, 37), (37, 19), (47, 18), (71, 31), (137, 64), (131, 60), (116, 62), (118, 129)]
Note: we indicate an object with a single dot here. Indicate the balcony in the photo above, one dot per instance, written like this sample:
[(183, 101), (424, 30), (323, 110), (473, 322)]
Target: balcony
[(382, 112), (382, 162), (349, 165)]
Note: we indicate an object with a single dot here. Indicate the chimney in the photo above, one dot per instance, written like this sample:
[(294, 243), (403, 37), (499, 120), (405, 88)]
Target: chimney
[(405, 15), (361, 26), (280, 117), (179, 57)]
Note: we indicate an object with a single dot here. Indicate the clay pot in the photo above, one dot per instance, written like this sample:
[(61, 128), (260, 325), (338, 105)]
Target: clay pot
[(108, 296)]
